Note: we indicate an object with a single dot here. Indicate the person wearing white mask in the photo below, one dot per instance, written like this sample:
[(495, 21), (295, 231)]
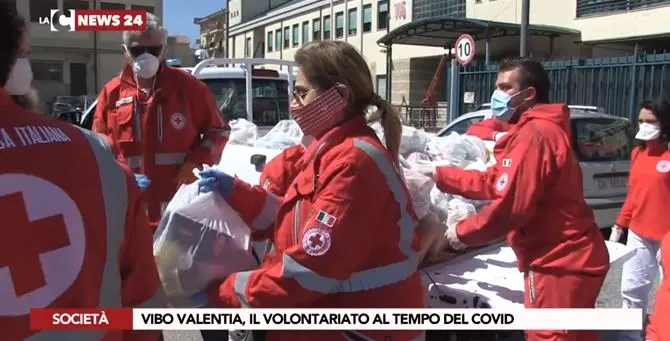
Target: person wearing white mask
[(645, 213), (19, 84), (162, 121)]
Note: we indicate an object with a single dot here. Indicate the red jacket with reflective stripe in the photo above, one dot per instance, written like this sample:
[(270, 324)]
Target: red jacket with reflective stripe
[(74, 231), (645, 209), (344, 234), (156, 136), (539, 202), (659, 328)]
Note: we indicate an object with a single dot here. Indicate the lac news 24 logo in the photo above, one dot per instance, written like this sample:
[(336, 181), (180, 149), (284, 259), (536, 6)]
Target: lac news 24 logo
[(95, 20)]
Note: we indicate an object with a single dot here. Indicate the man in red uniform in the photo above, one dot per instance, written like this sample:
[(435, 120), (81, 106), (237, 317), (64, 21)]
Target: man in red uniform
[(155, 115), (539, 202), (76, 237)]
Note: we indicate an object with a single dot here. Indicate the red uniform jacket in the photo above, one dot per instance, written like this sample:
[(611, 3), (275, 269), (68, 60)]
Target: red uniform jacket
[(74, 231), (488, 128), (659, 328), (345, 237), (539, 201), (645, 210), (157, 136)]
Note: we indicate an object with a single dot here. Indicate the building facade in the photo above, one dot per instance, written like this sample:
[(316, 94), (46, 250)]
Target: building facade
[(213, 33), (179, 47), (279, 32), (75, 63)]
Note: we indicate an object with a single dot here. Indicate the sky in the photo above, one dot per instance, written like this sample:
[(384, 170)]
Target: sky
[(178, 15)]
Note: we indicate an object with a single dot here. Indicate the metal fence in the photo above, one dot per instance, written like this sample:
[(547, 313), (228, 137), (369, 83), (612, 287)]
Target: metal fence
[(428, 117), (616, 84)]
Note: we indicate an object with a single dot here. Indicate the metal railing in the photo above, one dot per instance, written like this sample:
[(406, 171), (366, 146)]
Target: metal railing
[(428, 117), (604, 7)]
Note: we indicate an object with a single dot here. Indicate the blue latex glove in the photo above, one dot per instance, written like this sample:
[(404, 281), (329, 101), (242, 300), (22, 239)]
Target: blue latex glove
[(142, 181), (200, 299), (213, 180)]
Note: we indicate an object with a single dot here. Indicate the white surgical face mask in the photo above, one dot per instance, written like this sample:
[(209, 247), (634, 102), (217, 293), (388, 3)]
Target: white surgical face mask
[(146, 65), (20, 78), (648, 132)]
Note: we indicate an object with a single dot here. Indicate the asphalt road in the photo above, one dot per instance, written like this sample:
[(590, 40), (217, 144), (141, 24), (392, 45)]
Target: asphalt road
[(609, 298)]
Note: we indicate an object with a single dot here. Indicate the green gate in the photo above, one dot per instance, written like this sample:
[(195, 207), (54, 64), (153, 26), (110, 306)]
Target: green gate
[(616, 84)]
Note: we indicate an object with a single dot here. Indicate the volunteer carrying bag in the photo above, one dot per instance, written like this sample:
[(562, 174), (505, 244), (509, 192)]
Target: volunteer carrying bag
[(200, 240)]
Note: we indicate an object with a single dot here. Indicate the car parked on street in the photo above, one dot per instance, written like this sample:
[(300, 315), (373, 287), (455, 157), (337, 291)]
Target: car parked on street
[(602, 143)]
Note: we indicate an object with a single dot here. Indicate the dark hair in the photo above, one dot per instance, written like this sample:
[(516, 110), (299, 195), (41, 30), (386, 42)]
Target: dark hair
[(531, 73), (661, 110), (11, 28), (326, 63)]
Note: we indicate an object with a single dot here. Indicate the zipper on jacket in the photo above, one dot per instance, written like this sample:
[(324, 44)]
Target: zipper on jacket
[(296, 222), (137, 121), (159, 112)]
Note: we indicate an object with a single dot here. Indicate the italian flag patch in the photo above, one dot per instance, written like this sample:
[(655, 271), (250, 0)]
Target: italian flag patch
[(325, 218)]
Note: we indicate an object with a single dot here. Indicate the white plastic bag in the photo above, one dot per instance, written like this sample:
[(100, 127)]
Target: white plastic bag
[(419, 187), (201, 239), (283, 135), (459, 210), (412, 140), (243, 132)]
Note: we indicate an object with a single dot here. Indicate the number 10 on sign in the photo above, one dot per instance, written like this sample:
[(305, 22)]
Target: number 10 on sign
[(465, 49)]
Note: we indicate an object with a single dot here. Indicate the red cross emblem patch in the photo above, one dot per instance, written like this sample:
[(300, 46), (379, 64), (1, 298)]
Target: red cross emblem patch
[(316, 241), (502, 182), (43, 243), (663, 166), (178, 120)]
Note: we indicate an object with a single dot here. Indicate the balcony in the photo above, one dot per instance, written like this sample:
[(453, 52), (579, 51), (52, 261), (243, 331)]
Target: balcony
[(587, 8)]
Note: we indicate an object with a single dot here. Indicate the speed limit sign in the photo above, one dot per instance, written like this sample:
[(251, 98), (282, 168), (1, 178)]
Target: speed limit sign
[(465, 49)]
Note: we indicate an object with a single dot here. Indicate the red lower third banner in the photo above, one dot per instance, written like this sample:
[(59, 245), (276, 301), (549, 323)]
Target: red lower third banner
[(92, 319)]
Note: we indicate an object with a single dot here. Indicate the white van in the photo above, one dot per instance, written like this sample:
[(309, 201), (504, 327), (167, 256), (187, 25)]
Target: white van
[(272, 90)]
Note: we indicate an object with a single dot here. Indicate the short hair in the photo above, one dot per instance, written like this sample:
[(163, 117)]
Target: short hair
[(661, 110), (154, 27), (11, 29), (531, 73)]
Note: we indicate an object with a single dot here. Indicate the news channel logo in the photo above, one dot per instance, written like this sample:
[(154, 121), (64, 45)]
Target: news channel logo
[(62, 21)]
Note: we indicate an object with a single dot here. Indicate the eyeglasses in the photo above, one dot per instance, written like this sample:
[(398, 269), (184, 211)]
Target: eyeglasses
[(300, 93), (138, 50)]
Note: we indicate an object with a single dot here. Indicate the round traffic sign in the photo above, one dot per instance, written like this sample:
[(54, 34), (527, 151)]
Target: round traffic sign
[(465, 49)]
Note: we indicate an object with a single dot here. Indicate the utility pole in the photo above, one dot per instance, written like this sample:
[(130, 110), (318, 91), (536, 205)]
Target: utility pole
[(227, 28), (525, 21)]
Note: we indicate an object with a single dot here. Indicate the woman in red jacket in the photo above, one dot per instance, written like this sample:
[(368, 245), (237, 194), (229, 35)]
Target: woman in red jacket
[(645, 212), (345, 231)]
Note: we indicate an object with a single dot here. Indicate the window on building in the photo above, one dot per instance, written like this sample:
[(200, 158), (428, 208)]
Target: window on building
[(75, 4), (270, 41), (47, 70), (41, 9), (353, 21), (296, 35), (112, 5), (381, 86), (339, 25), (382, 14), (278, 40), (149, 9), (247, 48), (316, 29), (287, 37), (367, 18), (305, 32), (327, 25)]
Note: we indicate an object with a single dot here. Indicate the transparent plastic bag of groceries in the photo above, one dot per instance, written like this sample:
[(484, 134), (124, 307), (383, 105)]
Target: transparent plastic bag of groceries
[(419, 187), (458, 150), (243, 132), (284, 134), (200, 240)]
